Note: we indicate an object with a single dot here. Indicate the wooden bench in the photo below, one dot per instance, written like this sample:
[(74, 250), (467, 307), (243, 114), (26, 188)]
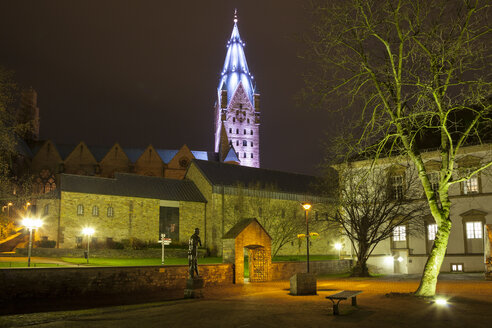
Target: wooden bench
[(341, 296)]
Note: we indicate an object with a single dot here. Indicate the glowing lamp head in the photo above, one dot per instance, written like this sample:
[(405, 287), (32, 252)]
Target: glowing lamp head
[(32, 223), (389, 260), (306, 206), (338, 246), (10, 204), (28, 204), (88, 231), (400, 259), (441, 301)]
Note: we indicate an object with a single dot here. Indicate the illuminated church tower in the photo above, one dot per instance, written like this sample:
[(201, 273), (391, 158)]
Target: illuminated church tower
[(237, 110)]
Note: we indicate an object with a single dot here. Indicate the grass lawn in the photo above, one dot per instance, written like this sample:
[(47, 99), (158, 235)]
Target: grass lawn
[(24, 265), (137, 262)]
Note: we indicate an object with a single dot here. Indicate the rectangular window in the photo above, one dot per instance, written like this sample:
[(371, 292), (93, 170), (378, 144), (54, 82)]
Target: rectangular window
[(169, 222), (470, 186), (431, 231), (456, 267), (46, 209), (80, 209), (78, 240), (474, 230), (397, 186), (434, 181), (110, 211), (400, 233)]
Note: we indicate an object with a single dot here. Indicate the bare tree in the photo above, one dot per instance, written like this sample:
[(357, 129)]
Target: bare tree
[(406, 69), (369, 206)]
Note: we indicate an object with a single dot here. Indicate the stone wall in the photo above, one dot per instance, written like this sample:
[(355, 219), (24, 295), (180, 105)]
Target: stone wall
[(284, 270), (92, 282)]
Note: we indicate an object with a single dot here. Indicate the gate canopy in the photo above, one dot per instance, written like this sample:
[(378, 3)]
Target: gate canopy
[(250, 234)]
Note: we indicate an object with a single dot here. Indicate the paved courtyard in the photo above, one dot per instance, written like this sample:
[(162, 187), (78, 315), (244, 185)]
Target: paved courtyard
[(383, 304)]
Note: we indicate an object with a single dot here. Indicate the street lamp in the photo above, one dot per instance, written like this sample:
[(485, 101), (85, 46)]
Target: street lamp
[(307, 207), (8, 209), (89, 232), (31, 224), (338, 247)]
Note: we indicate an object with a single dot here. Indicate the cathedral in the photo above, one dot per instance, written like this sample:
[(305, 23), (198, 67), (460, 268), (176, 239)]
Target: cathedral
[(237, 135)]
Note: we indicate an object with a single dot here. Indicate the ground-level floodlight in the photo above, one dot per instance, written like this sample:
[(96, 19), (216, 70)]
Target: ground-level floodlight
[(88, 231), (31, 224), (307, 207), (338, 247)]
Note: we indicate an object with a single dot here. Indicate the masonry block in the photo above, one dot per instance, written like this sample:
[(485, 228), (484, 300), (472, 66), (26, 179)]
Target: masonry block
[(303, 284)]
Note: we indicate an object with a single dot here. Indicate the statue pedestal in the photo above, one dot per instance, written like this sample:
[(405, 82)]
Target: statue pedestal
[(194, 288), (303, 284)]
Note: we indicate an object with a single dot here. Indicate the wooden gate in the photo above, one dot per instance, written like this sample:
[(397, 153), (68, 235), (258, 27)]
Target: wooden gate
[(258, 267)]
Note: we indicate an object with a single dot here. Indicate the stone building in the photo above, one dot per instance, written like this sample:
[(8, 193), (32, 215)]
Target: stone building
[(471, 210), (124, 207), (237, 109), (213, 197)]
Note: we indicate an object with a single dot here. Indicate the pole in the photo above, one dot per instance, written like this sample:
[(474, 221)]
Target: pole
[(88, 242), (162, 242), (29, 249), (307, 240)]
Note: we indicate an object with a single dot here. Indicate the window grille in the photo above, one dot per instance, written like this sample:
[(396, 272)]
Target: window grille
[(474, 230), (400, 233)]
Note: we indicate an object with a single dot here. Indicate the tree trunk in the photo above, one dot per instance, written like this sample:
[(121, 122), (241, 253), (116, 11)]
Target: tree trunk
[(360, 269), (428, 282)]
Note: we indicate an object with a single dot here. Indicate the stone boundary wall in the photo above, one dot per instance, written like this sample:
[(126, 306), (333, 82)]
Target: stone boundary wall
[(284, 270), (18, 284), (109, 253)]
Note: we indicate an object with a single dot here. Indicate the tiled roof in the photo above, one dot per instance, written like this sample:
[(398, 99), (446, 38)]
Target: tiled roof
[(132, 185), (231, 175), (240, 226)]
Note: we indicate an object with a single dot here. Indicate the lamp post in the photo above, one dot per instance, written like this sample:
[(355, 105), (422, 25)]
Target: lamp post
[(307, 207), (338, 247), (31, 224), (88, 232)]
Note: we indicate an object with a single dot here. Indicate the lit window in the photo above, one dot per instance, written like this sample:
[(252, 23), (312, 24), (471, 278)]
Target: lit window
[(470, 186), (400, 233), (80, 209), (474, 230), (110, 211), (431, 231), (46, 209), (95, 211), (245, 143), (456, 267), (397, 186)]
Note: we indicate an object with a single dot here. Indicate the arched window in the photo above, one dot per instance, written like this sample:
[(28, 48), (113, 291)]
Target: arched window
[(230, 130), (248, 120), (237, 131), (80, 209), (95, 211), (237, 142), (244, 131), (110, 211), (251, 132), (245, 143), (251, 143), (251, 155), (233, 120)]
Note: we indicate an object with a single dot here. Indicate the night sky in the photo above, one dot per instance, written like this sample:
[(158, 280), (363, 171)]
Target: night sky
[(146, 72)]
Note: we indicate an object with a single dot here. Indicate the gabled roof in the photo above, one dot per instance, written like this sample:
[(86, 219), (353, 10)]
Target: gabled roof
[(235, 70), (240, 226), (231, 156), (133, 185), (222, 174)]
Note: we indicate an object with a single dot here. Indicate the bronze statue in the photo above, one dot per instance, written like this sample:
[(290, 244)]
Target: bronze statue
[(193, 253)]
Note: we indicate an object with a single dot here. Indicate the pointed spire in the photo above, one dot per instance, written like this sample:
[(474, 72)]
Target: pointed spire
[(235, 68)]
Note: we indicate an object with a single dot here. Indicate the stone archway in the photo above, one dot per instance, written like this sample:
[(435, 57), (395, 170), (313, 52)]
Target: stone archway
[(251, 235)]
